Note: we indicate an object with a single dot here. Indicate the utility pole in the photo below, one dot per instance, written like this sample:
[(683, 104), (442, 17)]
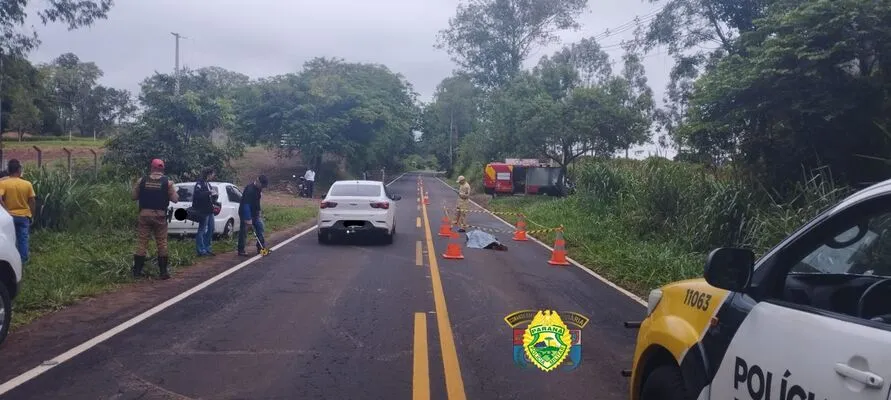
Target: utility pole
[(176, 67), (451, 132)]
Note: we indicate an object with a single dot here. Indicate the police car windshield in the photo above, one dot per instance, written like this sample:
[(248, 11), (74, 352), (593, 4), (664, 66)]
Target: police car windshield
[(869, 255)]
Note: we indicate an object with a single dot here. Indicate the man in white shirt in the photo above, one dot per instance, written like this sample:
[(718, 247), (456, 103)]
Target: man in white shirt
[(310, 177)]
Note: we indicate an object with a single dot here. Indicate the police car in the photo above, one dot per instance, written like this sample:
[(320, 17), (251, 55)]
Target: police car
[(810, 320)]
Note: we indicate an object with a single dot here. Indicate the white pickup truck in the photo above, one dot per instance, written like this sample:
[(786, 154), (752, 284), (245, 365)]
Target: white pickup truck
[(10, 271)]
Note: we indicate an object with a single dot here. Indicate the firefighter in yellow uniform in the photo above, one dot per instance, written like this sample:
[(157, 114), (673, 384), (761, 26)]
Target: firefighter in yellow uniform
[(463, 203)]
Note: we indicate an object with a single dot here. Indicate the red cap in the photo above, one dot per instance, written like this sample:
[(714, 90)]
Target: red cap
[(157, 164)]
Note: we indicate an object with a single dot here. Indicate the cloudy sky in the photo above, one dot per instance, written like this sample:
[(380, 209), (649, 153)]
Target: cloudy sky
[(269, 37)]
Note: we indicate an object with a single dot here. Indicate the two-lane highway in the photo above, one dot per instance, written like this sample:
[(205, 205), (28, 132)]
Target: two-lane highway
[(358, 321)]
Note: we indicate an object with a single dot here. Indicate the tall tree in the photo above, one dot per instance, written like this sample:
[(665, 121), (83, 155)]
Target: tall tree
[(697, 33), (560, 110), (74, 13), (22, 88), (334, 107), (490, 39), (106, 108), (453, 114), (71, 81), (809, 88)]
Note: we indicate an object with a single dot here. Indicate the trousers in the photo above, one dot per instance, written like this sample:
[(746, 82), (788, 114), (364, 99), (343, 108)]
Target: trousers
[(151, 227)]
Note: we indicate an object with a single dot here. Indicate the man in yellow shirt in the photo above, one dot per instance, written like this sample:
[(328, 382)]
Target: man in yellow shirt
[(20, 201)]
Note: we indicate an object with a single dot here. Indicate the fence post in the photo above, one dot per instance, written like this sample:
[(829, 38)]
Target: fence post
[(95, 163), (39, 156), (68, 153)]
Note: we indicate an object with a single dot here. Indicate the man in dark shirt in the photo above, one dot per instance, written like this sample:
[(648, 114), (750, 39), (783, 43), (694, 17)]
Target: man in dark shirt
[(249, 212), (202, 204)]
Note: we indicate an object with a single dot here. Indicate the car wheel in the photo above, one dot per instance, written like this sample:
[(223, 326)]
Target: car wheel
[(323, 238), (664, 383), (5, 312), (227, 230), (388, 239)]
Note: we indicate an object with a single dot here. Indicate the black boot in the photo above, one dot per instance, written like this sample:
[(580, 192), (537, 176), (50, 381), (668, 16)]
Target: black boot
[(162, 266), (138, 263)]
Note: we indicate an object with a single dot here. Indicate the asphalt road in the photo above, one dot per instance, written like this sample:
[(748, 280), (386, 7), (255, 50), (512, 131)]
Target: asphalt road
[(361, 321)]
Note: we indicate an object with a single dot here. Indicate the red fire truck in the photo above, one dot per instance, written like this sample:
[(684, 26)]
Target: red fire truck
[(521, 176)]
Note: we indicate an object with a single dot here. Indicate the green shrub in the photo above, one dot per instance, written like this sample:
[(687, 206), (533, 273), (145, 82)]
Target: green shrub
[(646, 223)]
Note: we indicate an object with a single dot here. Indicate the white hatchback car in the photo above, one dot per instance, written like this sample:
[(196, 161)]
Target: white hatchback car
[(10, 271), (225, 223), (353, 208)]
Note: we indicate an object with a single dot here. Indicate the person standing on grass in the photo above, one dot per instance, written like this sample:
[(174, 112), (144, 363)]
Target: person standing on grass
[(249, 213), (18, 197), (310, 177), (154, 193), (202, 203), (463, 203)]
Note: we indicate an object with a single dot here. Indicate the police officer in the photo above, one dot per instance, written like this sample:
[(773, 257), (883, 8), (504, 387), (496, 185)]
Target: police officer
[(154, 193), (463, 203)]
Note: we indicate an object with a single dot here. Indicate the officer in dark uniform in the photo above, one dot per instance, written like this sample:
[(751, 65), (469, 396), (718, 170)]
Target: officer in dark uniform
[(154, 193)]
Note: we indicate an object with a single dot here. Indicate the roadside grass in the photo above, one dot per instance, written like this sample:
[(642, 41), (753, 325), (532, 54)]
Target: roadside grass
[(643, 224), (69, 266), (599, 241)]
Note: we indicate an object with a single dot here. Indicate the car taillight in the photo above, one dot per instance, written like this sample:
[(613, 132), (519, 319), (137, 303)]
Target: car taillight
[(328, 204), (383, 204)]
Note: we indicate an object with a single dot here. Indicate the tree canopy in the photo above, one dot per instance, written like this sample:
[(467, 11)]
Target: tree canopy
[(363, 112)]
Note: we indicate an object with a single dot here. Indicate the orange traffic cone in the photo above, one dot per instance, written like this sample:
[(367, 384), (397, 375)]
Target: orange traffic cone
[(426, 199), (453, 250), (445, 229), (558, 256), (520, 233)]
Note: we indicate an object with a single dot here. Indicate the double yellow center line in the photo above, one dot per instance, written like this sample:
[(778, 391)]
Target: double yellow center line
[(421, 377)]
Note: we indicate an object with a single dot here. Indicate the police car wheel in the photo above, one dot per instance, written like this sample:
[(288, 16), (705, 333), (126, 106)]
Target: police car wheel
[(665, 383), (5, 311)]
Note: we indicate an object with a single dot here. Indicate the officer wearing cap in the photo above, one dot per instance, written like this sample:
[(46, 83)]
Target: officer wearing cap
[(463, 203), (154, 193)]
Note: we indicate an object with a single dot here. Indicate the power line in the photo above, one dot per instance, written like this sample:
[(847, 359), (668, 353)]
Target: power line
[(644, 18)]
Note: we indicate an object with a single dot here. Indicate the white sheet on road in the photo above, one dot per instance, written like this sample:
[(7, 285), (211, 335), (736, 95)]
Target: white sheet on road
[(477, 239)]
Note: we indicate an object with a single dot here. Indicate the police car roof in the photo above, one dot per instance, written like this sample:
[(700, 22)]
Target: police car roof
[(883, 187)]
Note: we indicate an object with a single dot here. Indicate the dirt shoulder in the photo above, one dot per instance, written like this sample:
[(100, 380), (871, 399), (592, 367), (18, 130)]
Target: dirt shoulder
[(55, 333)]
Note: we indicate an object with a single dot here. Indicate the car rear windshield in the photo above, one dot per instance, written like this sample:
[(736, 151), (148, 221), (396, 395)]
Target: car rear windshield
[(185, 192), (358, 190)]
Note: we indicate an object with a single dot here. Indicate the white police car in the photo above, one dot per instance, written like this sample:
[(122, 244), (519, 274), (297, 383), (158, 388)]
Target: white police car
[(10, 271), (810, 320)]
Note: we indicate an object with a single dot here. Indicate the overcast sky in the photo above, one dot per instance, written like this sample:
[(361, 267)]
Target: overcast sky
[(270, 37)]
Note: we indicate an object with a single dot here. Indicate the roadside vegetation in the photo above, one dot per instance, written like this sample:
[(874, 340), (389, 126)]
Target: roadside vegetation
[(650, 222), (83, 240)]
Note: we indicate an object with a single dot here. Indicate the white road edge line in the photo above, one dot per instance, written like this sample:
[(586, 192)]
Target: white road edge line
[(397, 178), (61, 358), (576, 263)]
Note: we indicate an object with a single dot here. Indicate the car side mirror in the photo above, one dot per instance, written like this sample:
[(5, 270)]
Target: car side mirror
[(730, 268), (395, 197)]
